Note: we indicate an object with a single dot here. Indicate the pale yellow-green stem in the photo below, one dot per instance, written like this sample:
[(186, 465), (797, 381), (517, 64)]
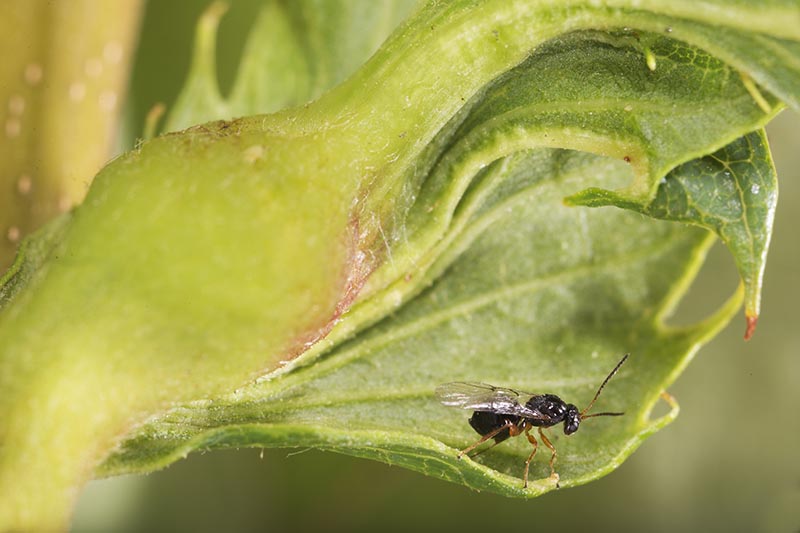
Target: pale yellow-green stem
[(64, 75)]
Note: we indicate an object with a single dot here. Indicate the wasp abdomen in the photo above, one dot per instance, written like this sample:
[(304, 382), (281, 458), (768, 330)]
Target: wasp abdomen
[(484, 422)]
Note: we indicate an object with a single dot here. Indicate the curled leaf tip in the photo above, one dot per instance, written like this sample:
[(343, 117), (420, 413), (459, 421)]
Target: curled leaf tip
[(752, 322), (213, 13), (151, 121)]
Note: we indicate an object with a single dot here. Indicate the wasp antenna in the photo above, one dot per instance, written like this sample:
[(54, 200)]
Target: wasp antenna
[(624, 358), (601, 414)]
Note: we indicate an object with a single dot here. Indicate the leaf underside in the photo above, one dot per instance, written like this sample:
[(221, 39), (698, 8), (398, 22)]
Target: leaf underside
[(529, 304), (522, 290)]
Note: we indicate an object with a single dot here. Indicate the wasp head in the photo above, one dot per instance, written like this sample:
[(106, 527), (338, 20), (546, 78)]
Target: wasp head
[(572, 419)]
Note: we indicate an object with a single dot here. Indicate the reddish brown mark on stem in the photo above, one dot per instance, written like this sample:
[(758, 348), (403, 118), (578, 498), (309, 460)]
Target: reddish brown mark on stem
[(357, 270)]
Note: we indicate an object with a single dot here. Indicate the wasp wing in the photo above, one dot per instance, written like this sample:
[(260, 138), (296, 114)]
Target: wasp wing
[(477, 396)]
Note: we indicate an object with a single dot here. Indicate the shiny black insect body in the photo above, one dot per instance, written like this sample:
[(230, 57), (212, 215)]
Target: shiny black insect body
[(500, 413)]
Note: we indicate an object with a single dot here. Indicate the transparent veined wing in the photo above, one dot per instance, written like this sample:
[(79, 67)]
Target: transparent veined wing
[(477, 396)]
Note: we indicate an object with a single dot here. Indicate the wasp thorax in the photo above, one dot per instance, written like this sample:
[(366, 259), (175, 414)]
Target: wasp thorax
[(549, 406)]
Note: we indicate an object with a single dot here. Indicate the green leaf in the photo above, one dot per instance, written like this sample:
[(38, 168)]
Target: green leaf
[(309, 277), (381, 383), (295, 52), (570, 94), (732, 192), (529, 304)]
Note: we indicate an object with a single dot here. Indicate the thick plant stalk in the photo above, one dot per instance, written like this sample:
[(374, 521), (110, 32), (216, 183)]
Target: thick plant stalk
[(64, 74)]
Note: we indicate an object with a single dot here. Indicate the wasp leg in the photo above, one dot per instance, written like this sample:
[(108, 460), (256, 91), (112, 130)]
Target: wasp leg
[(473, 455), (513, 431), (508, 425), (535, 445), (553, 457)]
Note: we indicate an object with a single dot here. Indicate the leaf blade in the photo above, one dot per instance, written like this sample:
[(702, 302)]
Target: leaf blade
[(732, 192)]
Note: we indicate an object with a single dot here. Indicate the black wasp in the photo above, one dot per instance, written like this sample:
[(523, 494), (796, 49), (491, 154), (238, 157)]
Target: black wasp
[(500, 414)]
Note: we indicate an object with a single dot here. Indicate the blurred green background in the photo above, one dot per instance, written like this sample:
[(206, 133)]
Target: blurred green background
[(729, 462)]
